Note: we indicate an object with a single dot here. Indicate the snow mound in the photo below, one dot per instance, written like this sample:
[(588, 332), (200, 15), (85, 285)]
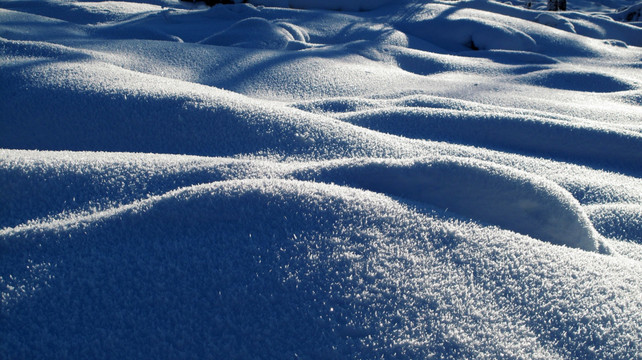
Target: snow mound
[(89, 12), (632, 13), (256, 32), (505, 131), (100, 181), (290, 267), (277, 266), (555, 21), (619, 221), (470, 34), (578, 80), (498, 195), (210, 122), (274, 285), (515, 57), (40, 27), (356, 5)]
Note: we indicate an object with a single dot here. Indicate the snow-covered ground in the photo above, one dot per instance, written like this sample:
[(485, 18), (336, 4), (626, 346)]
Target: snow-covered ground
[(298, 179)]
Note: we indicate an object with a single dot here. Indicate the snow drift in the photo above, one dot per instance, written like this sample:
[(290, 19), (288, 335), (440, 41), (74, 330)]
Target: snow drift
[(318, 268), (498, 195), (308, 179)]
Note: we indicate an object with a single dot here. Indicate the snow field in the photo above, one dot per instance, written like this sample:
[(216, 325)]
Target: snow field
[(307, 179)]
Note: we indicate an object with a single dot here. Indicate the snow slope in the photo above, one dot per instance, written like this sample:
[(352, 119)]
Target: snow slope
[(307, 179)]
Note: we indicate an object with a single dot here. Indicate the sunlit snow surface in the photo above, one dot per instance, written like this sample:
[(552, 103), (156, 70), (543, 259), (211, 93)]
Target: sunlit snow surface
[(420, 180)]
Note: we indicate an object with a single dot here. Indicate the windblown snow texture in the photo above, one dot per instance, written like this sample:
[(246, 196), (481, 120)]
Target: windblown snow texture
[(320, 180)]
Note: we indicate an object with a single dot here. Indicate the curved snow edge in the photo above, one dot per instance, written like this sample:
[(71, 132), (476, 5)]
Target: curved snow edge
[(499, 195)]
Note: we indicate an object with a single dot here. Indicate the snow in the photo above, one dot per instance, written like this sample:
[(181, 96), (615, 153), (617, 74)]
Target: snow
[(320, 179)]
